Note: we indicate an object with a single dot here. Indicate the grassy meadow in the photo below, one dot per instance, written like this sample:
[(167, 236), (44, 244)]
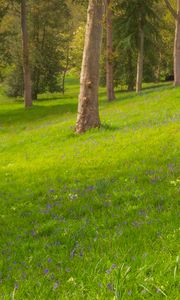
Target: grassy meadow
[(94, 216)]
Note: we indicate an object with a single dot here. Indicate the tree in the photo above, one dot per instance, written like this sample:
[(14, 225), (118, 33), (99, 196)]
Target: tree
[(139, 16), (109, 54), (49, 33), (26, 67), (88, 111), (140, 60), (176, 15), (49, 22)]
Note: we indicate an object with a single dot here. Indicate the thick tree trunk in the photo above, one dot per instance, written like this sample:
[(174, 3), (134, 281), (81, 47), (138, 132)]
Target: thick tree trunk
[(140, 61), (177, 48), (26, 68), (109, 54), (88, 111)]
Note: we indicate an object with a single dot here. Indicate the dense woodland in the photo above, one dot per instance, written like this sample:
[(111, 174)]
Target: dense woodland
[(46, 39)]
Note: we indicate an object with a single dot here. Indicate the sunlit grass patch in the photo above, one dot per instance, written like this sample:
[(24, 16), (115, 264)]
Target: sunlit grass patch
[(94, 216)]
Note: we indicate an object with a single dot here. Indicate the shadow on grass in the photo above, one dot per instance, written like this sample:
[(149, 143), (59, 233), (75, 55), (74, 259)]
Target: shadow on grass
[(103, 128), (122, 95), (21, 115), (108, 127), (159, 85), (51, 97)]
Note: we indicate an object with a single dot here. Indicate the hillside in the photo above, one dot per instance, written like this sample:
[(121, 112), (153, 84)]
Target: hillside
[(94, 216)]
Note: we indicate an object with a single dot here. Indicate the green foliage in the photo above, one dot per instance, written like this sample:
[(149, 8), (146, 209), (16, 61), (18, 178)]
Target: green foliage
[(93, 216), (128, 17), (14, 82), (48, 27)]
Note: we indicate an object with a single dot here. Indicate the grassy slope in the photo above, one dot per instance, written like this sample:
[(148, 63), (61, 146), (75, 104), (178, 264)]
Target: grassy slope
[(93, 216)]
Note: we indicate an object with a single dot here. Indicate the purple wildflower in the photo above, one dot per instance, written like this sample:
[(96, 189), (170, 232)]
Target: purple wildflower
[(113, 266), (68, 270), (109, 286), (55, 285)]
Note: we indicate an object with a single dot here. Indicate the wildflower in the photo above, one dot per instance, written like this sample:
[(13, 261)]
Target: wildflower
[(113, 266), (68, 270), (49, 205), (55, 285), (109, 286), (100, 284)]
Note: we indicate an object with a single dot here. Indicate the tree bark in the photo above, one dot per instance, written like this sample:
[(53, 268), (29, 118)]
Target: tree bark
[(109, 54), (88, 110), (131, 77), (176, 15), (65, 70), (177, 48), (26, 67), (140, 61)]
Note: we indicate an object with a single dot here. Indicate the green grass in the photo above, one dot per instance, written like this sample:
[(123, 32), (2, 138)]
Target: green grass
[(94, 216)]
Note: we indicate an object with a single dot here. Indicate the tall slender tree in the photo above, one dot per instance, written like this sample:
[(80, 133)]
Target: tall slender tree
[(25, 47), (88, 110), (109, 54), (176, 15), (140, 60)]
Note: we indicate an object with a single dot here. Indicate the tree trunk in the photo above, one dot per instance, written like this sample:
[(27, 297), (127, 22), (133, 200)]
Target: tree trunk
[(65, 70), (109, 54), (177, 48), (34, 94), (140, 61), (131, 77), (26, 68), (88, 110), (176, 15)]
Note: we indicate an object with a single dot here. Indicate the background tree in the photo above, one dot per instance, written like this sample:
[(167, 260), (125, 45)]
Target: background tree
[(25, 48), (48, 38), (176, 16), (135, 25), (109, 52)]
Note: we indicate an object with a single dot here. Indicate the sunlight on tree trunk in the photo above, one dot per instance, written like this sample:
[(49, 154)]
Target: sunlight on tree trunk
[(140, 61), (177, 48), (26, 68), (88, 111), (176, 15)]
